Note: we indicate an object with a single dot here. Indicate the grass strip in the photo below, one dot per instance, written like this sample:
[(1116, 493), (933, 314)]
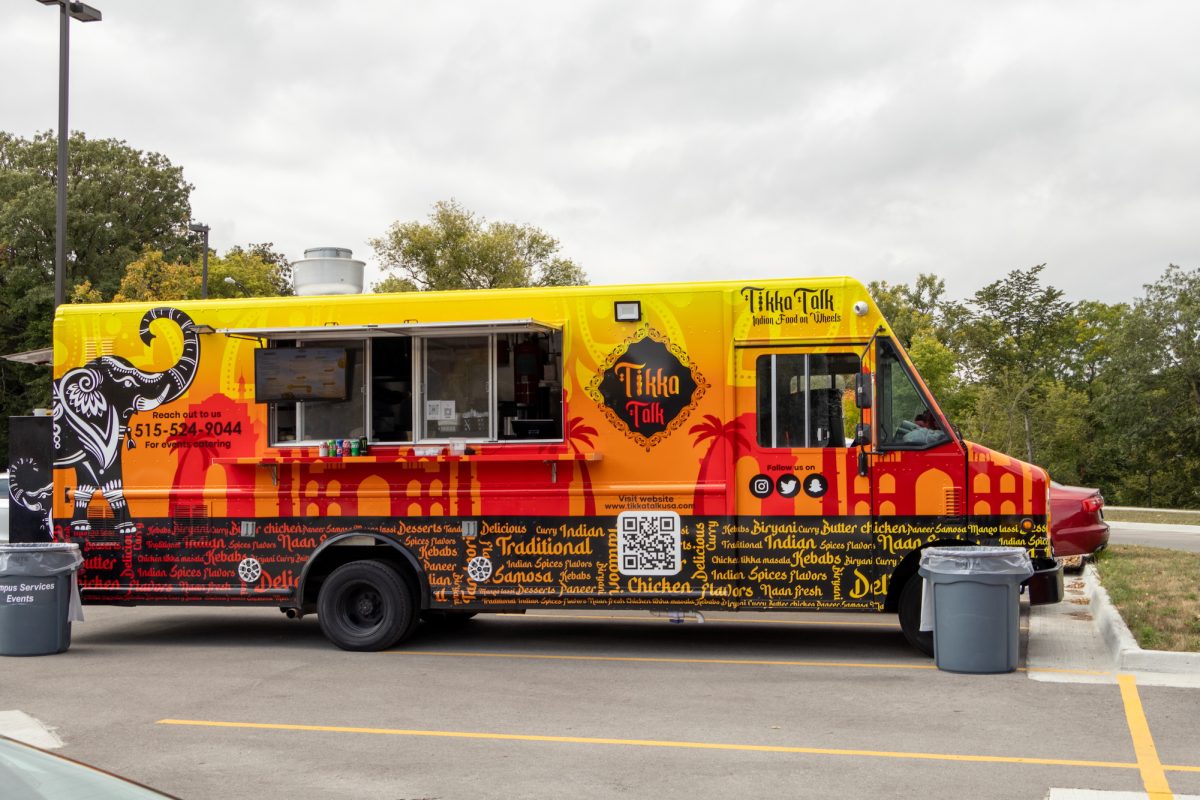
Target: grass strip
[(1162, 517), (1157, 592)]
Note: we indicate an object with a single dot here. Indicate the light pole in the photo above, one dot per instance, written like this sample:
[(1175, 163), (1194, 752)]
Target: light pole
[(234, 282), (83, 13), (199, 227)]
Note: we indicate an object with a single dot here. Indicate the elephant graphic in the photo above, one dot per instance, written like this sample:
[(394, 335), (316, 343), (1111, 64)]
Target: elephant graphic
[(93, 405), (31, 487)]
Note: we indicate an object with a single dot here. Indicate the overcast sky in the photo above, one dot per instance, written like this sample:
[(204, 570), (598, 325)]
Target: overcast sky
[(663, 141)]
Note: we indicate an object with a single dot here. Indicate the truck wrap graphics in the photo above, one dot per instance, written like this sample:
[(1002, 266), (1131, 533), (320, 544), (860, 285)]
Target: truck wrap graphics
[(526, 449)]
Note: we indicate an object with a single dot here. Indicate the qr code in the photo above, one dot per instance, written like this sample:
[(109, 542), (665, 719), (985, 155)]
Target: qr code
[(648, 543)]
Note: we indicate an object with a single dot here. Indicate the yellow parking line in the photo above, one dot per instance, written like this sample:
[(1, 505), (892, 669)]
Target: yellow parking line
[(660, 660), (726, 661), (758, 748), (707, 620), (1154, 778)]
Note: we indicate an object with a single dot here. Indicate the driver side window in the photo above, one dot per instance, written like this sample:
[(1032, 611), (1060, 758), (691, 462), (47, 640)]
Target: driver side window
[(905, 419)]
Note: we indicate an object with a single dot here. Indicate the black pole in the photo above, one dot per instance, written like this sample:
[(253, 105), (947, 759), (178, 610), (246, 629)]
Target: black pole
[(202, 229), (60, 217), (204, 269)]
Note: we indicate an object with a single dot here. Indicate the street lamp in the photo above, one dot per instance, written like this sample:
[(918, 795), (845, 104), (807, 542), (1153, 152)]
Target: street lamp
[(83, 13), (199, 227), (234, 282)]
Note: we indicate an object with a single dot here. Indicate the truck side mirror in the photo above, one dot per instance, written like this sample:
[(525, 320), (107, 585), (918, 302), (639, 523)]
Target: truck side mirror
[(862, 433), (862, 390), (862, 438)]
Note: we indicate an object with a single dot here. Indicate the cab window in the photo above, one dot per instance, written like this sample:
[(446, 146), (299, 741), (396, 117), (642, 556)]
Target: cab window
[(802, 399), (906, 422)]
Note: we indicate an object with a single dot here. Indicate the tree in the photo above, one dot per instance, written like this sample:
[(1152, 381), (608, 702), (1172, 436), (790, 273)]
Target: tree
[(912, 309), (1018, 324), (918, 315), (1014, 339), (457, 250), (1149, 394), (255, 272), (153, 277), (121, 200)]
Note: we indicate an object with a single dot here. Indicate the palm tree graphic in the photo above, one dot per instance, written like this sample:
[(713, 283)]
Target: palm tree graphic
[(578, 432), (723, 435)]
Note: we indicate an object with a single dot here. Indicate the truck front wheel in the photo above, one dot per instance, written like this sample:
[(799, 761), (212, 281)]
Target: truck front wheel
[(365, 605), (910, 616)]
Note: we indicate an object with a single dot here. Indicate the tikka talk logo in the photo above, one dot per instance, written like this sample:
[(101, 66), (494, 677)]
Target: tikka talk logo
[(800, 306), (647, 387)]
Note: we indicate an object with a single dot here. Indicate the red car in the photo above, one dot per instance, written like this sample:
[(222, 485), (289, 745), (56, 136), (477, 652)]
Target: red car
[(1077, 526)]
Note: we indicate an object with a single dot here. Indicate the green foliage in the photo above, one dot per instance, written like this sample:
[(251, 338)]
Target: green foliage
[(457, 250), (912, 310), (255, 272), (1149, 394), (153, 277), (1101, 395), (1018, 325), (120, 200)]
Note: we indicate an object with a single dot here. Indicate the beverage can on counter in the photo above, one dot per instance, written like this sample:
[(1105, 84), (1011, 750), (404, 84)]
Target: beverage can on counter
[(340, 447), (353, 447), (323, 450), (362, 446)]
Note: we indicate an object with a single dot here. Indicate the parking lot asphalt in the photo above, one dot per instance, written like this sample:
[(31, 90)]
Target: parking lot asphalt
[(218, 703)]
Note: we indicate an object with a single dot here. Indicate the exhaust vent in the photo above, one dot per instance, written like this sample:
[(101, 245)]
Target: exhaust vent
[(328, 270)]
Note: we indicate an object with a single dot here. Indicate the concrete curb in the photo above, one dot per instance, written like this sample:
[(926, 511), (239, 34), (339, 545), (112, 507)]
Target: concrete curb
[(1127, 654)]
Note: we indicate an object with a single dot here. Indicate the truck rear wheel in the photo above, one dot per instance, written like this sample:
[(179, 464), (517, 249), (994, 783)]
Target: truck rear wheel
[(365, 605), (910, 616)]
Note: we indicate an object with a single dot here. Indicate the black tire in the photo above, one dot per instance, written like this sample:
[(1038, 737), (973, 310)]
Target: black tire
[(910, 616), (366, 605), (447, 619)]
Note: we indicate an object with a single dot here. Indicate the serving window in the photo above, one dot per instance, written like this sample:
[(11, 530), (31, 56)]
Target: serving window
[(392, 387)]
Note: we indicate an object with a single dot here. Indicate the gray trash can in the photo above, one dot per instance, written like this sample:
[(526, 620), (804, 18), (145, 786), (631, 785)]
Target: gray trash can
[(972, 602), (39, 597)]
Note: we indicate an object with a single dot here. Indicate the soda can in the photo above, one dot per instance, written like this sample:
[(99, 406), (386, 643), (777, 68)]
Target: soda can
[(362, 446), (354, 447), (341, 444), (323, 451)]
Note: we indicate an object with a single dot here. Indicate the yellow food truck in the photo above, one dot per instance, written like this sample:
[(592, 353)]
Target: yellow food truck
[(382, 459)]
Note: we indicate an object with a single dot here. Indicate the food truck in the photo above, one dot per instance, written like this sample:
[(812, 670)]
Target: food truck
[(380, 459)]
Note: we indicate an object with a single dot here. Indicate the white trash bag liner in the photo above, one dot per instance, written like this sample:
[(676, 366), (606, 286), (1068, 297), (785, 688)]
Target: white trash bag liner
[(977, 561)]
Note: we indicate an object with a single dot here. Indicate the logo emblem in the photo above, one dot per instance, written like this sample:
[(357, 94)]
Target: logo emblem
[(788, 485), (647, 387), (249, 570), (479, 569), (761, 486), (815, 485)]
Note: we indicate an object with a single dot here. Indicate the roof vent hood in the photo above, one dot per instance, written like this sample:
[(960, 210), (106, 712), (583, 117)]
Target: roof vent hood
[(328, 270)]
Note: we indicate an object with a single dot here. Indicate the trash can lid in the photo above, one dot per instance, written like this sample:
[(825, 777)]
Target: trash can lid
[(39, 559), (977, 561), (37, 547)]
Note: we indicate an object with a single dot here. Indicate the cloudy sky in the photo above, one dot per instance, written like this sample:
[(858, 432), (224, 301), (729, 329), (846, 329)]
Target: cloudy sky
[(669, 140)]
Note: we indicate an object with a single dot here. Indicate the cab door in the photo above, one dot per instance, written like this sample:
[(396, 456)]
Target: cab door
[(803, 511), (918, 468)]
